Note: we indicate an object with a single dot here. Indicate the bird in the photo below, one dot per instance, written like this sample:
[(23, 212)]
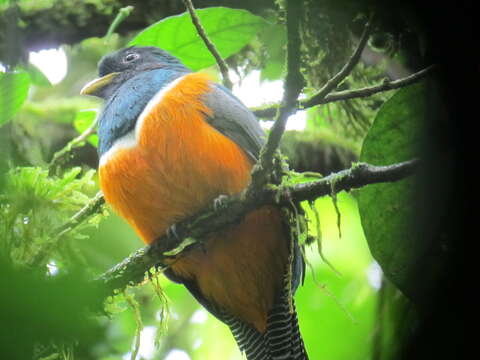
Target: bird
[(172, 142)]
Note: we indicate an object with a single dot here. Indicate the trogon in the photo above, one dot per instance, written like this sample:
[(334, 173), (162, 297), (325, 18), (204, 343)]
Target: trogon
[(171, 141)]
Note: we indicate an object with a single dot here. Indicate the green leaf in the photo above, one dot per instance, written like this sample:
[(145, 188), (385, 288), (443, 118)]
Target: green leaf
[(13, 93), (83, 120), (229, 29), (274, 39), (388, 210)]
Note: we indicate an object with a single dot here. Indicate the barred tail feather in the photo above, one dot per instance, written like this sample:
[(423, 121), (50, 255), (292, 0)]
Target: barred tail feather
[(283, 334), (281, 340)]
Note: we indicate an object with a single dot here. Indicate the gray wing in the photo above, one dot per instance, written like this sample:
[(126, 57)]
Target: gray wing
[(234, 120)]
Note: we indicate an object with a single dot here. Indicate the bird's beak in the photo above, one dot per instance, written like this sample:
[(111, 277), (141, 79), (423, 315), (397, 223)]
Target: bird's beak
[(94, 87)]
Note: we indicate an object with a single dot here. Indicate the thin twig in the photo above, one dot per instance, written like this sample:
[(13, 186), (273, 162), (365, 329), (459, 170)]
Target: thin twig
[(348, 67), (133, 303), (59, 156), (386, 85), (123, 13), (211, 47), (93, 207), (132, 269), (294, 83)]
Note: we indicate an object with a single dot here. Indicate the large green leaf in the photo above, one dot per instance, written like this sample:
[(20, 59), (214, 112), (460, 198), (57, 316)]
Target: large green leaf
[(387, 210), (13, 92), (274, 39), (229, 29)]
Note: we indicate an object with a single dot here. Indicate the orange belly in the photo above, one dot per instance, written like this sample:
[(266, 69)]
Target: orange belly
[(177, 170)]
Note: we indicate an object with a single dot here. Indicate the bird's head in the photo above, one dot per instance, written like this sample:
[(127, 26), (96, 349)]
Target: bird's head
[(116, 68)]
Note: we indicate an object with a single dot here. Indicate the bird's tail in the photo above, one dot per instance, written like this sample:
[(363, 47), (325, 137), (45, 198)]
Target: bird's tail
[(281, 340)]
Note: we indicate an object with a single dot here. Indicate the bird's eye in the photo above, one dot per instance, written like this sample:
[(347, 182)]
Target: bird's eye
[(130, 57)]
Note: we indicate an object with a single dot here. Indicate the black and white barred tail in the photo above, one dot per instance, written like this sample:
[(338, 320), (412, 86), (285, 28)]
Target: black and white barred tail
[(281, 340)]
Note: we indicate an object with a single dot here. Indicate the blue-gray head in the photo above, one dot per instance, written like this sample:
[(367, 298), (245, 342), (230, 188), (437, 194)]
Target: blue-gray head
[(116, 68)]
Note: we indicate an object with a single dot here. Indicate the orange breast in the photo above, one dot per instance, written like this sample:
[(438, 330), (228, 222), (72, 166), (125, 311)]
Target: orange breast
[(178, 166)]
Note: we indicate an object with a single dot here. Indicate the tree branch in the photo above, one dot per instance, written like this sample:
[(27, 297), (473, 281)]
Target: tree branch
[(348, 67), (123, 13), (294, 83), (93, 207), (386, 85), (192, 231), (341, 75), (211, 47), (63, 153)]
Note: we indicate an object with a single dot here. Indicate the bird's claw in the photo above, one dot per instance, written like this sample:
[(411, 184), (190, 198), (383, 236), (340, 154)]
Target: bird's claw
[(219, 202), (172, 232)]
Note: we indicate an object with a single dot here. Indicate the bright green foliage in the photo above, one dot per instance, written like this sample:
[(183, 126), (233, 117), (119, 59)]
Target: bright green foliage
[(13, 92), (387, 210), (274, 39), (228, 29), (33, 206), (83, 120)]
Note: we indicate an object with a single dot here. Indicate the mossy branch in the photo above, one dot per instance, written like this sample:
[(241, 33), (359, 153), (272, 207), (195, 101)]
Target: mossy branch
[(294, 83), (348, 67), (192, 231), (93, 207), (386, 85), (63, 154), (331, 84)]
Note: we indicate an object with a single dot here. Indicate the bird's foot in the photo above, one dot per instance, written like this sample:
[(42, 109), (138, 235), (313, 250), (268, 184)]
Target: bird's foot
[(220, 202), (172, 232)]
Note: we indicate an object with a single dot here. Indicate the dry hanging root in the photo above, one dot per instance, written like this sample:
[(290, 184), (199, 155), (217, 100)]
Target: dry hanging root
[(164, 311), (333, 195), (320, 239), (138, 320)]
